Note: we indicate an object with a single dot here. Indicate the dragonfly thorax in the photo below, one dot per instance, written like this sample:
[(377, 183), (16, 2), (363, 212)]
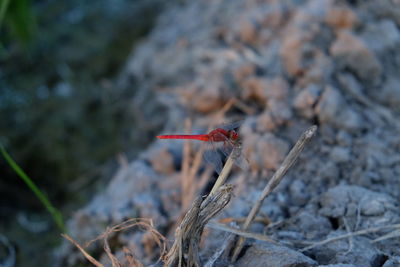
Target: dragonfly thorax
[(221, 135)]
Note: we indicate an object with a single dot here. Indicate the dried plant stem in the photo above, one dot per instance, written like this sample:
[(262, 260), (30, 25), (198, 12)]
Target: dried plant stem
[(142, 223), (185, 179), (132, 261), (83, 251), (223, 227), (361, 232), (275, 180), (185, 250), (224, 174)]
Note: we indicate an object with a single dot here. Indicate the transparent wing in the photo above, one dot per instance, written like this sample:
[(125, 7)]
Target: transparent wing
[(231, 126), (242, 162), (217, 151), (235, 148), (212, 156)]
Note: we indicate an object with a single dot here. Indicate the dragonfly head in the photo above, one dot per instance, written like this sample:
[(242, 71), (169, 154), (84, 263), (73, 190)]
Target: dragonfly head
[(233, 135)]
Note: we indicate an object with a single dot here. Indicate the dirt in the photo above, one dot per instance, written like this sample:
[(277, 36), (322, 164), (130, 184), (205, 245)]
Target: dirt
[(288, 65)]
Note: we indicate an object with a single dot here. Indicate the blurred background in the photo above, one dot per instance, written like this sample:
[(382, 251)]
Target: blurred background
[(62, 116)]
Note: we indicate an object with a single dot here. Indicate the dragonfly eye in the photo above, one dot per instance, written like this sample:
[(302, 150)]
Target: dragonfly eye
[(233, 135)]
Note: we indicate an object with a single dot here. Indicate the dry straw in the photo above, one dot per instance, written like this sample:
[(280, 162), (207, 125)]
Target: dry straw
[(273, 183)]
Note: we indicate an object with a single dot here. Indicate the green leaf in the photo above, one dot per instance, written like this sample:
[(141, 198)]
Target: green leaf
[(55, 213)]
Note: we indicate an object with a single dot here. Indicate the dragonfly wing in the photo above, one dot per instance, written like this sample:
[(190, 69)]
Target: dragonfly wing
[(225, 146), (231, 126), (212, 157), (242, 162), (235, 149), (217, 150)]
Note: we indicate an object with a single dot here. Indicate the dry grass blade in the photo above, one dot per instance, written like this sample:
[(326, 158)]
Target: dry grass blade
[(132, 261), (275, 180), (107, 249), (185, 178), (190, 167), (263, 220), (83, 251), (223, 227), (392, 234), (185, 250), (146, 224), (361, 232)]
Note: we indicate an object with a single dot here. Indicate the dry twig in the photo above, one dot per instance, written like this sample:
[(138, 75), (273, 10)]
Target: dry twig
[(223, 227), (222, 177), (184, 251), (144, 223), (132, 261), (185, 178), (275, 180), (83, 251), (361, 232)]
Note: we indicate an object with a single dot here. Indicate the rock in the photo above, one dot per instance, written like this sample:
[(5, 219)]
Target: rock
[(291, 51), (266, 122), (392, 262), (298, 192), (389, 93), (350, 51), (306, 99), (352, 201), (248, 32), (333, 109), (269, 255), (340, 154), (204, 98), (343, 138), (277, 89), (362, 253), (255, 89), (271, 151), (161, 159), (313, 226), (381, 36), (341, 17), (244, 71)]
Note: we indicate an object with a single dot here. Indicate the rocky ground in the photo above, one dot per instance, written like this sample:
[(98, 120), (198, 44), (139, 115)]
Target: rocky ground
[(282, 66)]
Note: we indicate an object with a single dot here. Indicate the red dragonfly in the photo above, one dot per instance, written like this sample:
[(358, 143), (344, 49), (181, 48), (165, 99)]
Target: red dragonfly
[(224, 140)]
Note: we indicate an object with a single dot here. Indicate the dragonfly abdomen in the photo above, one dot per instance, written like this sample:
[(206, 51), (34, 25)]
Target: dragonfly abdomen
[(200, 137)]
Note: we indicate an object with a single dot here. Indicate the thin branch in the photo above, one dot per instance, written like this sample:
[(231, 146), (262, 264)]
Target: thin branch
[(275, 180)]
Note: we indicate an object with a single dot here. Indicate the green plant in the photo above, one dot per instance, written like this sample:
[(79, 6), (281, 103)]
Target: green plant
[(19, 19), (55, 213), (3, 9)]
